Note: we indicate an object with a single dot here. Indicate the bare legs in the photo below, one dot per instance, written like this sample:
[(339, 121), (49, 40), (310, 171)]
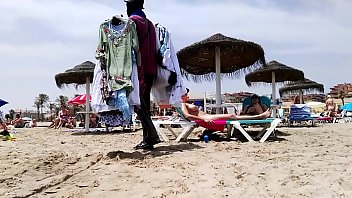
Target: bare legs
[(263, 115)]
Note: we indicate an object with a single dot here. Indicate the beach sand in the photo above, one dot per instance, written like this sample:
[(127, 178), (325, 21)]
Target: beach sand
[(302, 162)]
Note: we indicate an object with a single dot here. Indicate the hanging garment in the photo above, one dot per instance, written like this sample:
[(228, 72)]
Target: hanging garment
[(173, 91), (113, 119), (114, 49), (119, 100), (99, 105), (134, 97)]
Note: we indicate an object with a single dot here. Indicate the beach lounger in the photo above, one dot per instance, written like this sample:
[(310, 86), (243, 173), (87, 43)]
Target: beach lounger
[(187, 125), (299, 113), (269, 126), (343, 118), (219, 125)]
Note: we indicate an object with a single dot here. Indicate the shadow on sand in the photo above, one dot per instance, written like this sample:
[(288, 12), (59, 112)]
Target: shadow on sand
[(101, 131), (221, 137), (157, 152)]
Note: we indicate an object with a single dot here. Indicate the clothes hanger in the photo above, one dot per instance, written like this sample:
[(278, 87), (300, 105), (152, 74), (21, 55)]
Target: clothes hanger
[(117, 20)]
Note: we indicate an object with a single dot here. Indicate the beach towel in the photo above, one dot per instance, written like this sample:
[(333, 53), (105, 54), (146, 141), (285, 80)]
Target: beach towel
[(218, 125)]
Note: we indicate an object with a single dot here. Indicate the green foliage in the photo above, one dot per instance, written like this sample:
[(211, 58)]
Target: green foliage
[(40, 102), (61, 100)]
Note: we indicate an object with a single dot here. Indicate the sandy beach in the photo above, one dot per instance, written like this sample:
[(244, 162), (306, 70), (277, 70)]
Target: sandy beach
[(301, 162)]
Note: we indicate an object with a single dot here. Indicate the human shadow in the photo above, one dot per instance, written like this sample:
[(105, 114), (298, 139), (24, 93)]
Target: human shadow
[(237, 136), (156, 152), (281, 133), (102, 131), (212, 136)]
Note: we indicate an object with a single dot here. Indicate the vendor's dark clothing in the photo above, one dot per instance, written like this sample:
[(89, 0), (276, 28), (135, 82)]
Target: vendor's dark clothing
[(147, 73)]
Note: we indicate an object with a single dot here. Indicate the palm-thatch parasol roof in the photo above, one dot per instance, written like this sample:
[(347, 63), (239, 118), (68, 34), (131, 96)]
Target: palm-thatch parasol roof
[(219, 56), (272, 73), (306, 85), (197, 61), (283, 73), (81, 74), (76, 75)]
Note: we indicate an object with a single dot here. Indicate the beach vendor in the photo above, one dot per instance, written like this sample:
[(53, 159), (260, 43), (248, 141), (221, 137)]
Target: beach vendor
[(147, 72)]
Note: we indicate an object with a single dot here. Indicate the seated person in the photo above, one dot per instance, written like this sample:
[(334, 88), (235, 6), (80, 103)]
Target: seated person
[(53, 122), (93, 120), (63, 117), (3, 125), (3, 128), (255, 108), (330, 107), (71, 123), (18, 121), (33, 123), (192, 112)]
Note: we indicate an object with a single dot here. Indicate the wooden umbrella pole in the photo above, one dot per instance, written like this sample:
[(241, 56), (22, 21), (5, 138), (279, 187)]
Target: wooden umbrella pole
[(205, 102), (273, 95), (218, 79), (87, 104), (300, 96)]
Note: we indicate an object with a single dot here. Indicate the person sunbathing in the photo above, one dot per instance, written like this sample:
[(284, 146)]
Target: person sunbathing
[(255, 108), (192, 112)]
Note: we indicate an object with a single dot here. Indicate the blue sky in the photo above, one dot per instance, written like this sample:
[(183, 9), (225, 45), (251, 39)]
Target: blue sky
[(40, 38)]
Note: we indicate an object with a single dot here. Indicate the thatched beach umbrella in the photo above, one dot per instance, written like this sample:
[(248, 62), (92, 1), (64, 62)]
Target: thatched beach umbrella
[(79, 75), (298, 87), (273, 73), (219, 56)]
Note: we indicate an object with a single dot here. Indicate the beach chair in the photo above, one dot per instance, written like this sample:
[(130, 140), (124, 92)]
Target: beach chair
[(269, 126), (343, 118), (301, 113), (281, 115), (187, 125)]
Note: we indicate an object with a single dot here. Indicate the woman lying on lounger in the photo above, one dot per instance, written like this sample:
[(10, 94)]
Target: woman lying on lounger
[(191, 112)]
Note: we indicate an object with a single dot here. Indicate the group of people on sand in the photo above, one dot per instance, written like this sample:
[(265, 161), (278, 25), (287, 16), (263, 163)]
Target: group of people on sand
[(18, 121), (330, 107), (64, 119)]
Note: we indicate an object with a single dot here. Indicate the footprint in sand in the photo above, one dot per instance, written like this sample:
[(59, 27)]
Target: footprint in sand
[(347, 186)]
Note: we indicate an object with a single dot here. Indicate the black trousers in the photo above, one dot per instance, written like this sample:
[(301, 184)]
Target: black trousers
[(149, 131)]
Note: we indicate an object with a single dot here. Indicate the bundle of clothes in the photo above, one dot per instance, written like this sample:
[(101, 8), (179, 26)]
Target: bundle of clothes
[(118, 78)]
